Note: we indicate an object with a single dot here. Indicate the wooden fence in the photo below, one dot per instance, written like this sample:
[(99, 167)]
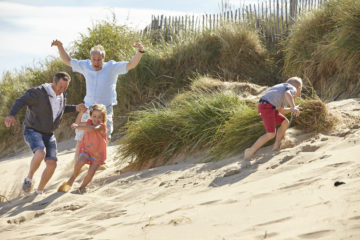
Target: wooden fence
[(271, 18)]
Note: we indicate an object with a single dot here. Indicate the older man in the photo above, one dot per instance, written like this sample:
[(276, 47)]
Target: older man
[(46, 105), (101, 78)]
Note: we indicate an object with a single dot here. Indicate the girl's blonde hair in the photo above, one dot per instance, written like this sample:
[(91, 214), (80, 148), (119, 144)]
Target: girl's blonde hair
[(99, 107)]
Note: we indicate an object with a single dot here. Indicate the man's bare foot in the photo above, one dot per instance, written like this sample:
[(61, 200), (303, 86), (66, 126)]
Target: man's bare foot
[(247, 154)]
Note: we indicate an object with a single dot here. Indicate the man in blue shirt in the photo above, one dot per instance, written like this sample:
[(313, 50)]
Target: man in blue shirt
[(101, 78)]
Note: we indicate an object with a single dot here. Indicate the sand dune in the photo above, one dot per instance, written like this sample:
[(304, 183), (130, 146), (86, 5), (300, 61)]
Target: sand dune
[(284, 195)]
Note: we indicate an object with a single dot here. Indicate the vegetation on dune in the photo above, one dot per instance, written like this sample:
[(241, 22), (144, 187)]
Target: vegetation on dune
[(212, 119), (324, 49), (188, 124), (314, 116)]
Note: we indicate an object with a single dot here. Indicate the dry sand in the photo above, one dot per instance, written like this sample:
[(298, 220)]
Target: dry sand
[(285, 195)]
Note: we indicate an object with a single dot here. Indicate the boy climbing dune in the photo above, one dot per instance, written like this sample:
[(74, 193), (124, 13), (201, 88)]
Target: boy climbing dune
[(271, 109)]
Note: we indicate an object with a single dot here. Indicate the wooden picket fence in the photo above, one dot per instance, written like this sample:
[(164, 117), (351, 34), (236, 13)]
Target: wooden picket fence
[(271, 18)]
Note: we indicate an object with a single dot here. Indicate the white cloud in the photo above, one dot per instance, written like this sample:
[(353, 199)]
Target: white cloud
[(27, 30)]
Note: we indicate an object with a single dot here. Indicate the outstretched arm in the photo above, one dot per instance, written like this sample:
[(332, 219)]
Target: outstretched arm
[(136, 59), (89, 128), (29, 98), (63, 54)]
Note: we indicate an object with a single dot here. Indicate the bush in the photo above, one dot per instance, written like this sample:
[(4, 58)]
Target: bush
[(314, 116), (240, 132), (189, 124), (324, 49)]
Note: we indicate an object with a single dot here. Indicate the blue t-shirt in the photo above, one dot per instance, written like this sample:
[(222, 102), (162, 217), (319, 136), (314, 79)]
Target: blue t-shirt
[(100, 85)]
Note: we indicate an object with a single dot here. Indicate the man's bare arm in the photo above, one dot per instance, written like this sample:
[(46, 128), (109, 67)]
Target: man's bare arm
[(63, 54)]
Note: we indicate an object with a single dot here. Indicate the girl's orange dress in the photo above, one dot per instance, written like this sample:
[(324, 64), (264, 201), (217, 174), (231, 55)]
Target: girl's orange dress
[(93, 145)]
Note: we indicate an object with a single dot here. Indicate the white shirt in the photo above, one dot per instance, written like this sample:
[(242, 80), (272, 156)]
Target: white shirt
[(55, 101), (100, 85)]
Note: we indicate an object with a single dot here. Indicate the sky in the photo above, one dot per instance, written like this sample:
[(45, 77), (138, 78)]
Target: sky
[(27, 27)]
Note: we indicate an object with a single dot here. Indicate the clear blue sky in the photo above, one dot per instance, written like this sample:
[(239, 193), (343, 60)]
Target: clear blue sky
[(27, 27)]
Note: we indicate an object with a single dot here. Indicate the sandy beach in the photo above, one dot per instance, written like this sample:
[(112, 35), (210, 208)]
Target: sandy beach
[(308, 190)]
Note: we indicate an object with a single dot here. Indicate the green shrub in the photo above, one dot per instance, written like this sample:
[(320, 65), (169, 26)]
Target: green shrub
[(184, 127), (240, 132)]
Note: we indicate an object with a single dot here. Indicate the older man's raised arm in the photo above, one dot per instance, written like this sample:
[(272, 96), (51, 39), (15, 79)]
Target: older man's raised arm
[(63, 54)]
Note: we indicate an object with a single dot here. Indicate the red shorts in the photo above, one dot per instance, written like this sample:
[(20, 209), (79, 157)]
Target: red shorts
[(270, 117)]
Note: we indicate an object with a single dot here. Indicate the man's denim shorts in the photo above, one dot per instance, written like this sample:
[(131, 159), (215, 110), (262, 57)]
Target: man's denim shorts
[(41, 141)]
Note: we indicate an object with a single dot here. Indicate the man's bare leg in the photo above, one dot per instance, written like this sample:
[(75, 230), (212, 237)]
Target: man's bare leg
[(39, 155), (47, 174)]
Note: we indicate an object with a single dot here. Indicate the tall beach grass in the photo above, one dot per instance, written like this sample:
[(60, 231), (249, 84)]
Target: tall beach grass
[(217, 122), (324, 47)]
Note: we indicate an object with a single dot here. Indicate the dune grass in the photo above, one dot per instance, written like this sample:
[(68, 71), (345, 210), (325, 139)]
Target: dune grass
[(189, 124), (314, 116), (324, 49), (239, 133), (212, 120)]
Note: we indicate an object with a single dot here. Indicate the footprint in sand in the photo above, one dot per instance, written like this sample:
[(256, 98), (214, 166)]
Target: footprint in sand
[(300, 184), (231, 173), (284, 160), (18, 220), (335, 165), (267, 235), (317, 234), (310, 148), (108, 215), (27, 217), (274, 221), (71, 207), (355, 218), (209, 202)]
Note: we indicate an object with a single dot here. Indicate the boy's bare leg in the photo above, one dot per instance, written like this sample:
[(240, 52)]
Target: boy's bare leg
[(39, 155), (77, 168), (249, 152), (90, 175), (280, 134), (47, 174)]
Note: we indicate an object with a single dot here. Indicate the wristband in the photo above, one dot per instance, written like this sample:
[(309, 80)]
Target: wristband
[(141, 51)]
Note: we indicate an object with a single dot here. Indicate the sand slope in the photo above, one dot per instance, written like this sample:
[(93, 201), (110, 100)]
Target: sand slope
[(284, 195)]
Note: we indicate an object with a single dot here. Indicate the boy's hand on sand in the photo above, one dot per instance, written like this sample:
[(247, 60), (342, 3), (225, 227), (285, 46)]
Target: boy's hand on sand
[(56, 43), (9, 121), (74, 125)]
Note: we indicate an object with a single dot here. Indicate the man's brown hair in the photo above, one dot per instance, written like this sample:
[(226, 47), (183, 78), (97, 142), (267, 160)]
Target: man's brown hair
[(61, 75)]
